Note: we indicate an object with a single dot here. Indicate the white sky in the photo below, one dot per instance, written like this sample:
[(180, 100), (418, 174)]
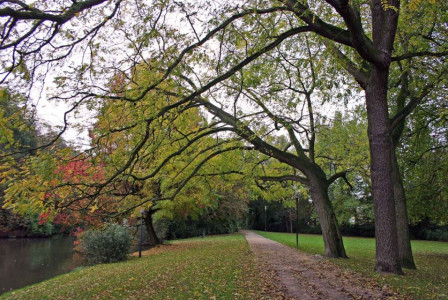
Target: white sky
[(53, 114)]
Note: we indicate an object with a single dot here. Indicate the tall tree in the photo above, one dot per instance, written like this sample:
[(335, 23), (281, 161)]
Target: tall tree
[(275, 88), (413, 82)]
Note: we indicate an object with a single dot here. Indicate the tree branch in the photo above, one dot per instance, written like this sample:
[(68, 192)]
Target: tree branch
[(352, 19), (342, 175), (284, 178), (31, 13), (420, 54), (360, 76)]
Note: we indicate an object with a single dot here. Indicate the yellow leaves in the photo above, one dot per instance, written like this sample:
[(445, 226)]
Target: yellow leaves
[(29, 182), (414, 4), (7, 126), (25, 198), (385, 4), (93, 208)]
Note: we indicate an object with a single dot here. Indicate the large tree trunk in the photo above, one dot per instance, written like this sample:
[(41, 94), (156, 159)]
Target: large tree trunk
[(153, 239), (404, 240), (387, 257), (406, 258), (334, 246)]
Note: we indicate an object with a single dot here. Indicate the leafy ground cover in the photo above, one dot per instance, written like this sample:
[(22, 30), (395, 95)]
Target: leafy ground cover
[(429, 281), (220, 267)]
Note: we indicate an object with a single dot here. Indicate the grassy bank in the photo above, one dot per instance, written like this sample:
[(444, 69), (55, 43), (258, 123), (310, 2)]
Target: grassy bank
[(220, 267), (429, 281)]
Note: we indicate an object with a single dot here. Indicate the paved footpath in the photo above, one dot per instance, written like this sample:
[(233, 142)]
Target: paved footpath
[(308, 277)]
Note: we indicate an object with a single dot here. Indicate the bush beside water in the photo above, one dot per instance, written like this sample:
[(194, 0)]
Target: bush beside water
[(110, 244)]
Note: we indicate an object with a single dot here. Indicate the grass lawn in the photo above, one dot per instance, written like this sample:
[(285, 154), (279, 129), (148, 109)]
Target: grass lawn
[(220, 267), (429, 281)]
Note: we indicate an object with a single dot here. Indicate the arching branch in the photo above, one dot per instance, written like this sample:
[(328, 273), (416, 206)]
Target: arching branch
[(338, 175)]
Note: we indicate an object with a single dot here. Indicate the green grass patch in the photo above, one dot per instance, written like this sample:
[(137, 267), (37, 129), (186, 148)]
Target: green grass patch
[(429, 281), (220, 267)]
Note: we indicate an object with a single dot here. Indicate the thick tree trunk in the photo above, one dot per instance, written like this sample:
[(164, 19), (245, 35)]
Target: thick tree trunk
[(334, 246), (153, 239), (406, 258), (387, 257)]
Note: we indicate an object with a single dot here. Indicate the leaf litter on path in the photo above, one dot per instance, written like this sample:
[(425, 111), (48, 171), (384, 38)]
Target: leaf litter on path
[(304, 276)]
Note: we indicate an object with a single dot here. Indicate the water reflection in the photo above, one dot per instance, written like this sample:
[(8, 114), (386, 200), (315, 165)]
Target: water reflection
[(27, 261)]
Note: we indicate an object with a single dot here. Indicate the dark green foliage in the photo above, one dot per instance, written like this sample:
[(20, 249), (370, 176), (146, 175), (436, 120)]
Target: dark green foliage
[(438, 234), (365, 230), (426, 230), (14, 225), (281, 218), (37, 228), (111, 244), (191, 228)]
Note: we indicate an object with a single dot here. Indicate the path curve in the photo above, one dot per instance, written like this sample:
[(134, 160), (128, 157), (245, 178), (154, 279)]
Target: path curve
[(308, 277)]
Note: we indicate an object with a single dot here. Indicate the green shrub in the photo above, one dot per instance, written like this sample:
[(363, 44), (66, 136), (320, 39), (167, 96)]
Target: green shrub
[(111, 244), (438, 234), (38, 228)]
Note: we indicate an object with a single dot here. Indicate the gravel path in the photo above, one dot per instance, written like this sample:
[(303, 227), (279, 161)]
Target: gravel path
[(308, 277)]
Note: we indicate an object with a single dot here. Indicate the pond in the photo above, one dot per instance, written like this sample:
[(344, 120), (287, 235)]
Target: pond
[(27, 261)]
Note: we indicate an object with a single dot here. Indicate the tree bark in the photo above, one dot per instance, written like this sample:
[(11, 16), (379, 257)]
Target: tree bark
[(334, 246), (404, 241), (153, 239), (380, 141), (406, 258)]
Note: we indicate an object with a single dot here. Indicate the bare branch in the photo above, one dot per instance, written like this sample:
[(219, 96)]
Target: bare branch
[(30, 13), (420, 54)]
